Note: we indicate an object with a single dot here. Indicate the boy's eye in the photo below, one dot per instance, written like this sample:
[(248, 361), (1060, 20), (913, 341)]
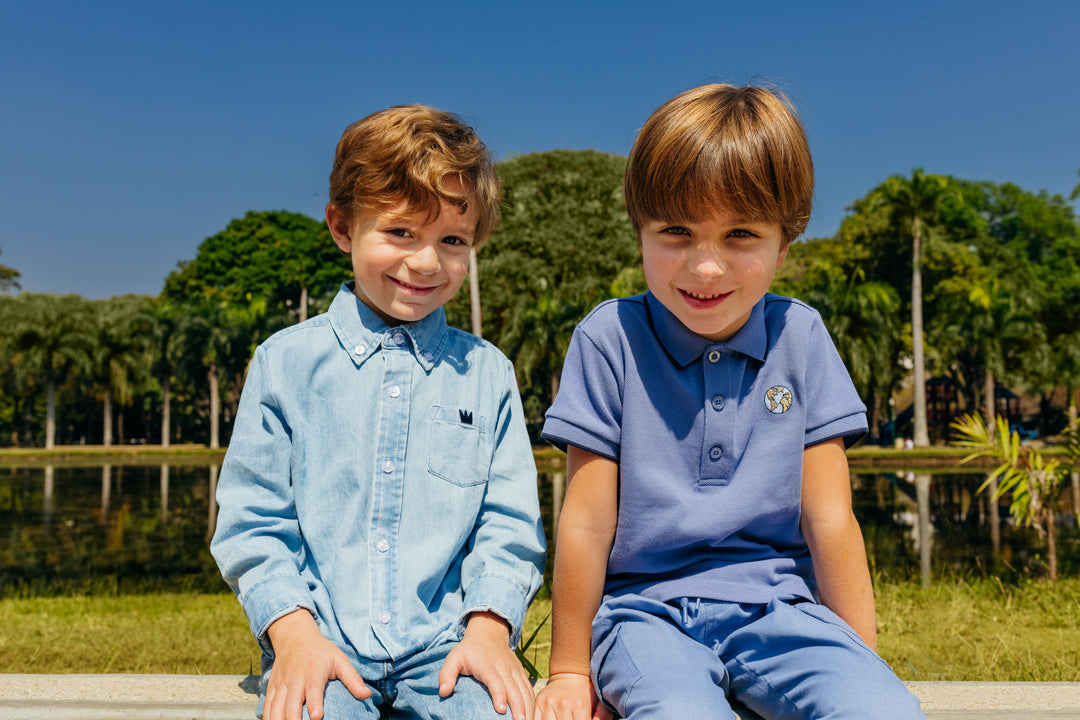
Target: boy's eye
[(398, 232), (741, 233), (455, 240), (675, 230)]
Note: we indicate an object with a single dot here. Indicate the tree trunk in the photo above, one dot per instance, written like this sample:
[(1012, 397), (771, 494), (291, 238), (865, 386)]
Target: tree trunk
[(991, 490), (50, 416), (120, 424), (215, 403), (994, 508), (921, 437), (474, 296), (1074, 400), (302, 310), (1051, 542), (106, 422), (166, 400), (926, 527), (106, 491), (164, 494)]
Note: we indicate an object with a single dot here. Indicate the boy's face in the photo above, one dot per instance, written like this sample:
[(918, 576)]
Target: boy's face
[(405, 267), (711, 273)]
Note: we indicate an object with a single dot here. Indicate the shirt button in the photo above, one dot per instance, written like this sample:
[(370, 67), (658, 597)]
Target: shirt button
[(718, 402), (394, 391), (714, 356), (384, 617), (388, 465), (428, 356), (382, 545), (398, 339), (359, 350), (715, 452)]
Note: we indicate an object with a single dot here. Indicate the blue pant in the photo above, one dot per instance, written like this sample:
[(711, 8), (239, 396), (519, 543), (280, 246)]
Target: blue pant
[(784, 661), (405, 689)]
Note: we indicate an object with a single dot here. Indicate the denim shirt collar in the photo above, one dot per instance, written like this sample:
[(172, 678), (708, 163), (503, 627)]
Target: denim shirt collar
[(362, 332), (684, 346)]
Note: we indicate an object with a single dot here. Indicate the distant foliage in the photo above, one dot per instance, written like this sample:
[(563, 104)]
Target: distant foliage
[(1000, 275)]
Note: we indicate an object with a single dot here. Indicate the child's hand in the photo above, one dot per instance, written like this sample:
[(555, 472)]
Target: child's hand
[(570, 696), (484, 654), (304, 662)]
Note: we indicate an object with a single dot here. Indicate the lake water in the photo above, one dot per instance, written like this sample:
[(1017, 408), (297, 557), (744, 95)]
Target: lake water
[(130, 527)]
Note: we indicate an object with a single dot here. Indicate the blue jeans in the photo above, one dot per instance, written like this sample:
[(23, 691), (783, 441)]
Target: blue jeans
[(784, 661), (405, 689)]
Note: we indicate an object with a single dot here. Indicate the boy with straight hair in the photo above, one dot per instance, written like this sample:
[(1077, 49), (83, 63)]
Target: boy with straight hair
[(379, 517), (707, 547)]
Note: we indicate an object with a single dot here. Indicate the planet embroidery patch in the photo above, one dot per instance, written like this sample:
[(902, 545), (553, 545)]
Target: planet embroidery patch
[(778, 399)]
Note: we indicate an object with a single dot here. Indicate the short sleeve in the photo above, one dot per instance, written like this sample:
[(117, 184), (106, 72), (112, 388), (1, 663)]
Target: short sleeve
[(835, 410), (587, 412)]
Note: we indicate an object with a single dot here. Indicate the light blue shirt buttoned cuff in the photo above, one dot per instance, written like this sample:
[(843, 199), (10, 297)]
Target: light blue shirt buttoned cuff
[(272, 598), (500, 595)]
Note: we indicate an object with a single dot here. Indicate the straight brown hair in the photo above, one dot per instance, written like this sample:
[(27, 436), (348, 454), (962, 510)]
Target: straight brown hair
[(721, 148)]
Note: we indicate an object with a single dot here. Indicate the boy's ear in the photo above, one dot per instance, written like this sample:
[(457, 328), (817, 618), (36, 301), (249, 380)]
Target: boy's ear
[(338, 223), (783, 254)]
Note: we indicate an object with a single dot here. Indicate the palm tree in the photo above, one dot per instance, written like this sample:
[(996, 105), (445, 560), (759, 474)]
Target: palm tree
[(51, 341), (1034, 483), (167, 346), (118, 355), (219, 338), (916, 203)]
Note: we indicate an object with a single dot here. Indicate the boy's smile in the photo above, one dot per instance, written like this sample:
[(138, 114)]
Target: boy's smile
[(712, 272), (406, 264)]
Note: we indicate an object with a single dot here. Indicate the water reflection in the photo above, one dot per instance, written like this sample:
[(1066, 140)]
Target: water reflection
[(62, 528), (70, 528)]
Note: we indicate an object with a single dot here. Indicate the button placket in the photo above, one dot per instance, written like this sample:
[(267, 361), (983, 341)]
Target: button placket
[(718, 441), (386, 505)]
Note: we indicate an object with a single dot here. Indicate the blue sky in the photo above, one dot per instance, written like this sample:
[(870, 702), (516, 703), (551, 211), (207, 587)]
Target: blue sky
[(131, 131)]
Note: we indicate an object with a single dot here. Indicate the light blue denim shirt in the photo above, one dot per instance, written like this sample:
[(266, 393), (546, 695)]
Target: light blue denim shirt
[(382, 478)]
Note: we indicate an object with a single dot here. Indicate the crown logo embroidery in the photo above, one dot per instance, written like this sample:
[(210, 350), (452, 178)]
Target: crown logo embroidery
[(778, 400), (465, 416)]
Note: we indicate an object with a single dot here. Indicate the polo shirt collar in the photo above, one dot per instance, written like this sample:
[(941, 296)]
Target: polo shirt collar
[(362, 332), (685, 346)]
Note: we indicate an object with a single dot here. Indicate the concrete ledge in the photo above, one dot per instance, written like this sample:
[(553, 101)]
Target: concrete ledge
[(233, 697), (133, 697)]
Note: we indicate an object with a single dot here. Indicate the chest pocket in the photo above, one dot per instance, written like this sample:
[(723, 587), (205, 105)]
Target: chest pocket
[(459, 446)]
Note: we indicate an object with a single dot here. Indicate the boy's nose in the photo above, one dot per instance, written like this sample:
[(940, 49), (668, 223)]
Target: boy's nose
[(424, 260), (707, 262)]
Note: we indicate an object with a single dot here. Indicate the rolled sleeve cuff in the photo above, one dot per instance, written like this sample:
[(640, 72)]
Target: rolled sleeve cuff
[(500, 595), (851, 428), (561, 433), (272, 598)]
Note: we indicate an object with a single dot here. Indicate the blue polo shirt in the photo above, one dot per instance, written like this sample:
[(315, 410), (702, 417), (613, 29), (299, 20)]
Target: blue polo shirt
[(709, 438)]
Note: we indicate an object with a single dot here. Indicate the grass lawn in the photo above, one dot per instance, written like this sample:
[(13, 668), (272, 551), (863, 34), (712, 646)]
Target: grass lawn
[(974, 630)]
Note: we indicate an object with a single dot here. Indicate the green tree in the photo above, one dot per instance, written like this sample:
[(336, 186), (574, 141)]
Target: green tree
[(1033, 245), (8, 278), (286, 258), (564, 239), (218, 338), (51, 343), (910, 233), (863, 317), (119, 358), (1035, 483), (166, 344)]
